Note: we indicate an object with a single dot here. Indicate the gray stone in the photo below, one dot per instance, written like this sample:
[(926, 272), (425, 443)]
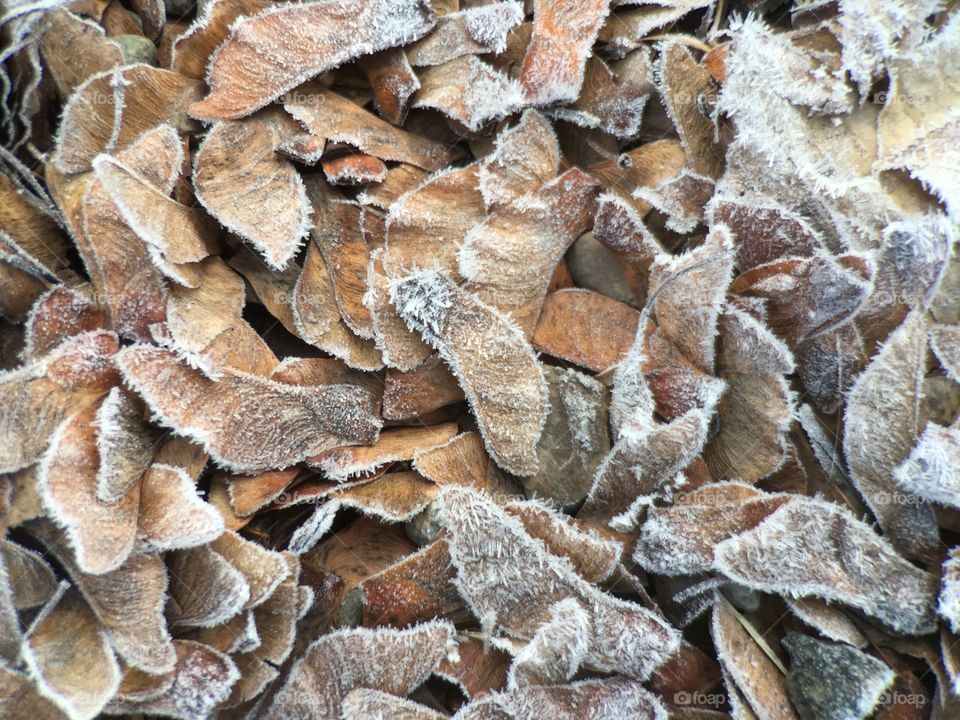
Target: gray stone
[(833, 681), (594, 267), (136, 49), (423, 528), (575, 437)]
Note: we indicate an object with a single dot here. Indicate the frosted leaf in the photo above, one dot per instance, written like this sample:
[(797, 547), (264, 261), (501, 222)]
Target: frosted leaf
[(202, 680), (400, 346), (490, 357), (263, 569), (813, 547), (172, 514), (205, 589), (621, 32), (525, 157), (400, 179), (685, 86), (747, 346), (355, 169), (393, 661), (948, 602), (308, 534), (237, 635), (918, 127), (918, 251), (191, 50), (932, 470), (101, 534), (109, 111), (509, 259), (756, 676), (19, 696), (473, 31), (56, 316), (762, 230), (427, 387), (556, 650), (945, 343), (278, 49), (575, 437), (478, 669), (681, 198), (646, 165), (231, 416), (129, 604), (882, 422), (829, 621), (641, 466), (687, 294), (315, 317), (180, 234), (393, 497), (598, 699), (755, 414), (120, 264), (32, 581), (595, 552), (70, 661), (252, 192), (248, 493), (873, 34), (392, 446), (829, 363), (334, 117), (40, 395), (809, 296), (562, 38), (422, 232), (276, 618), (463, 461), (366, 704), (125, 445), (605, 103), (509, 581), (834, 681), (469, 91), (417, 587), (392, 81), (680, 539), (73, 48), (337, 234), (207, 319)]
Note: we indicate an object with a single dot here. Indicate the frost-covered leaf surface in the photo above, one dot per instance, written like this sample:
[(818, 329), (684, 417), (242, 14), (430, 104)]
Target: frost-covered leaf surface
[(507, 360)]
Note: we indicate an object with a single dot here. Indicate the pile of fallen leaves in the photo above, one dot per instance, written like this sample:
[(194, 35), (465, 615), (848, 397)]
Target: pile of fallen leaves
[(575, 359)]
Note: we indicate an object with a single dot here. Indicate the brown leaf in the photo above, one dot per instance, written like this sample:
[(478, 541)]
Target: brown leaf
[(191, 51), (392, 446), (275, 51), (490, 357), (585, 328), (365, 703), (57, 315), (394, 661), (393, 82), (748, 665), (510, 581), (70, 659), (469, 91), (125, 445), (332, 116), (112, 109), (307, 420), (355, 169), (428, 386), (509, 259), (237, 171), (74, 48), (526, 157), (562, 37), (473, 31)]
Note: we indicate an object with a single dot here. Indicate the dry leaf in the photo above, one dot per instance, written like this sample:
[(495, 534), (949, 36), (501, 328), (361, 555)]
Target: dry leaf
[(307, 420), (276, 50), (489, 356)]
